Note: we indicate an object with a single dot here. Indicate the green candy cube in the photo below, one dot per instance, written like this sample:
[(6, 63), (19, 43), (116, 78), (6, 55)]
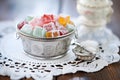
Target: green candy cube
[(70, 27), (28, 18), (39, 32), (27, 29)]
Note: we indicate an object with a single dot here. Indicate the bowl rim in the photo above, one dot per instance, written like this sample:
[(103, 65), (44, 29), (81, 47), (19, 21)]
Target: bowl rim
[(21, 34)]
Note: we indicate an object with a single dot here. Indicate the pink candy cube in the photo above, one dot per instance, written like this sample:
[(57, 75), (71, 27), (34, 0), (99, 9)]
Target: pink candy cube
[(50, 26)]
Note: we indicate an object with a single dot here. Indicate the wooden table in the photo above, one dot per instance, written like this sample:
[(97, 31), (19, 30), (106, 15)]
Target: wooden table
[(111, 72)]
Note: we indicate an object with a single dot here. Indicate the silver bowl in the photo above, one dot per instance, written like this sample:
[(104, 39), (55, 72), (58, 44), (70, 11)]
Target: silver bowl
[(46, 48)]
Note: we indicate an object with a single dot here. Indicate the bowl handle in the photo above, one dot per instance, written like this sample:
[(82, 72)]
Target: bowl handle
[(17, 36)]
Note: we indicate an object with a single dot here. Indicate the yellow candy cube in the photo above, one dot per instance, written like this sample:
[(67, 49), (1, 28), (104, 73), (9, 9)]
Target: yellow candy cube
[(64, 20)]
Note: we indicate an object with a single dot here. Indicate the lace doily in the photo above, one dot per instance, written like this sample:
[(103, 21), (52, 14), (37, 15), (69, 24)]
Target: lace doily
[(16, 64)]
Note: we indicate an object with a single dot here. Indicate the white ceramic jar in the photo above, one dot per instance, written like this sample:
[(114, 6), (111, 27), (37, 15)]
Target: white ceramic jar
[(95, 10), (94, 15)]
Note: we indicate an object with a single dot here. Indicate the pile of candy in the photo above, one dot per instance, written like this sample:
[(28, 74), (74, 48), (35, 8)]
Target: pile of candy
[(48, 26)]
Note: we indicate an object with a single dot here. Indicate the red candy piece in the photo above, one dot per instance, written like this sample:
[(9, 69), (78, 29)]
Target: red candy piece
[(20, 25), (47, 19), (63, 32)]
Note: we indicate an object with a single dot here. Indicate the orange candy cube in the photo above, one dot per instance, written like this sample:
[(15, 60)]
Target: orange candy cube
[(48, 34), (55, 34), (52, 34)]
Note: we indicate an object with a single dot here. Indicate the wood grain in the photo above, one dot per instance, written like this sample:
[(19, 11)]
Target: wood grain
[(112, 72)]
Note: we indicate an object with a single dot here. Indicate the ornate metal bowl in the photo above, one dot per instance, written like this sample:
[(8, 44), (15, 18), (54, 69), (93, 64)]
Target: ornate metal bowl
[(46, 48)]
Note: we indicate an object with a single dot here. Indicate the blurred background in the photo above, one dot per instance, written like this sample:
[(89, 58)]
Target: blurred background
[(11, 10)]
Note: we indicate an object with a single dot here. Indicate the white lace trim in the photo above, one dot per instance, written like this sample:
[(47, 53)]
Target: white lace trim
[(16, 64)]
